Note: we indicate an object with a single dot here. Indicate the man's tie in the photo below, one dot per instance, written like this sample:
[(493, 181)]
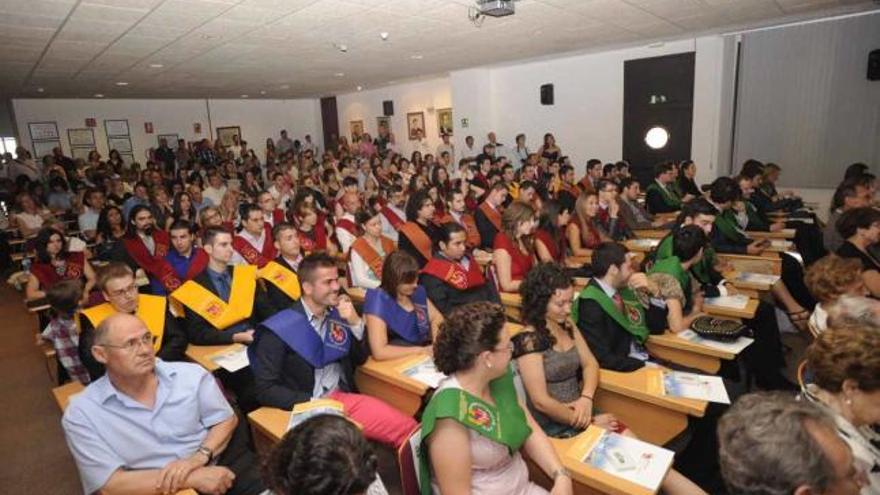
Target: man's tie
[(618, 301), (224, 287)]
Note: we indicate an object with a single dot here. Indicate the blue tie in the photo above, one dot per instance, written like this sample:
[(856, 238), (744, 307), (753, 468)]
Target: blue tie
[(224, 286)]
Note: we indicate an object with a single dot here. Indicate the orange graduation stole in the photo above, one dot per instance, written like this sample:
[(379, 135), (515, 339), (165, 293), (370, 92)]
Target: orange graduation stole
[(454, 274), (250, 253), (372, 257), (470, 227), (418, 238), (151, 311), (492, 214), (393, 218), (282, 277), (219, 313)]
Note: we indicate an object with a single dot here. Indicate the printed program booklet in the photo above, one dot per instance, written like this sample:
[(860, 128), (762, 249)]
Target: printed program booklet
[(738, 301), (688, 385), (233, 359), (627, 458), (312, 408), (422, 369), (757, 278)]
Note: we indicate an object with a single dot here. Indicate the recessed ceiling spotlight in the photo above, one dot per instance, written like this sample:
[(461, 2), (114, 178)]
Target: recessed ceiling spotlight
[(359, 88), (244, 96), (209, 36), (285, 86), (121, 83), (263, 92), (340, 74), (156, 66), (40, 90), (383, 35), (98, 95), (342, 47), (416, 57)]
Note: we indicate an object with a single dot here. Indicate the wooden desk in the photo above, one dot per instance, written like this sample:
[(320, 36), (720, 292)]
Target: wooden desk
[(268, 426), (384, 380), (680, 351), (781, 234), (512, 303), (756, 264), (202, 354), (640, 245), (357, 294), (65, 392), (748, 312), (654, 418), (650, 233), (585, 478), (747, 285)]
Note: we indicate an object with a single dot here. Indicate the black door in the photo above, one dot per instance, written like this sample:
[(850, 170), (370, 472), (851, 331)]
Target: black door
[(657, 91), (330, 122)]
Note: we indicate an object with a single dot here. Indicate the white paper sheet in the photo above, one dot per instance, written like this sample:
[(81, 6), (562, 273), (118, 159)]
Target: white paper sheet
[(630, 459), (734, 347), (780, 244), (694, 386), (645, 243), (738, 301), (232, 360), (425, 372), (757, 278)]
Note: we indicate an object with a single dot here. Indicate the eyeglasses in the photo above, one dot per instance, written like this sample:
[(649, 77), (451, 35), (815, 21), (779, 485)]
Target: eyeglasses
[(132, 345), (131, 289)]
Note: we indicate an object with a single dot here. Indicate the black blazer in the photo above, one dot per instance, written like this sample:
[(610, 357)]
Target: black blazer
[(201, 332), (174, 342), (404, 244), (445, 298), (282, 378), (276, 298), (608, 341), (487, 230), (656, 204)]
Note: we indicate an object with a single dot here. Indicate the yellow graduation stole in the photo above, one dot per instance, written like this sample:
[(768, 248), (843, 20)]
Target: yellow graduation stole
[(151, 310), (286, 280), (220, 314)]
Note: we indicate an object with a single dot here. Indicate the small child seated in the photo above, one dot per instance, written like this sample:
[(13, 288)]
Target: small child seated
[(64, 298)]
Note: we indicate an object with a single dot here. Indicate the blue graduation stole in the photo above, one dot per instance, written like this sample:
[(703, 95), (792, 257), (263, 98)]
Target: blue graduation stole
[(295, 330), (411, 326)]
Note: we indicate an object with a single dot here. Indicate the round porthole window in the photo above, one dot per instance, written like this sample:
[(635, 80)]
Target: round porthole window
[(657, 137)]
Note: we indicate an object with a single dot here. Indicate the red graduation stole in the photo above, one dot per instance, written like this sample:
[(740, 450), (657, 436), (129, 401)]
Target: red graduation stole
[(470, 227), (348, 226), (454, 274), (586, 185), (393, 218), (492, 214), (250, 253), (154, 264), (370, 256), (197, 265), (277, 217), (316, 240), (46, 274), (572, 189), (418, 238)]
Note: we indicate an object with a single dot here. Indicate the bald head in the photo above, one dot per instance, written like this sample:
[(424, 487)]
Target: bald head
[(124, 344), (351, 202), (115, 324)]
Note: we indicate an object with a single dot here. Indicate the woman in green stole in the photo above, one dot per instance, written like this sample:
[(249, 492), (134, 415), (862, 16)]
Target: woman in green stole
[(475, 426), (674, 293)]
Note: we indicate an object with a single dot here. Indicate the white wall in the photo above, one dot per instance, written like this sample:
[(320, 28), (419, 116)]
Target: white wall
[(421, 96), (258, 119)]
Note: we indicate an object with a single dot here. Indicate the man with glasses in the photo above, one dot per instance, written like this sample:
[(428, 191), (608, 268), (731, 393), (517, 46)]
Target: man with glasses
[(149, 426), (116, 281), (608, 214)]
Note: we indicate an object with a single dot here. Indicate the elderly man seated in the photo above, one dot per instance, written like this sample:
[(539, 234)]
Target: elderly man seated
[(150, 426)]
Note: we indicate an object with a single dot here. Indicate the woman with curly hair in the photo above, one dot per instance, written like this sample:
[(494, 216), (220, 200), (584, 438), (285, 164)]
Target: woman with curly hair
[(474, 427), (323, 454), (828, 279)]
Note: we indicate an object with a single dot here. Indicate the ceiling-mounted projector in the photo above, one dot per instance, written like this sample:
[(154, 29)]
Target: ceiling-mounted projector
[(496, 8)]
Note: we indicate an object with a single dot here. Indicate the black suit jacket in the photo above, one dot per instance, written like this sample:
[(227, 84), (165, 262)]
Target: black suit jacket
[(174, 342), (283, 378), (608, 341), (656, 204), (276, 298), (445, 298), (201, 332), (487, 230)]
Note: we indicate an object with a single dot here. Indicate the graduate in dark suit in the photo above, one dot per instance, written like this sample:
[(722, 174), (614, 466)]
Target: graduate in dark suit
[(488, 214), (279, 276)]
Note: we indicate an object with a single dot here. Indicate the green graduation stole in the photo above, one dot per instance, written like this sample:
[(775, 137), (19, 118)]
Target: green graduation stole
[(669, 196), (701, 269), (504, 423), (634, 319), (756, 220), (726, 224), (672, 266)]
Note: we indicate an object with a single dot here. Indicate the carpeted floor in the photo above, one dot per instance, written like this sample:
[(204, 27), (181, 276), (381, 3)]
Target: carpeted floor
[(34, 458)]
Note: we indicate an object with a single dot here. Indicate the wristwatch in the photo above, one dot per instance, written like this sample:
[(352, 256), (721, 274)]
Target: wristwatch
[(208, 453), (561, 472)]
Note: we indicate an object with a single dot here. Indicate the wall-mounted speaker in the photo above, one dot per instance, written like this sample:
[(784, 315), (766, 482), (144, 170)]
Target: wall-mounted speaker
[(546, 94), (388, 108), (874, 65)]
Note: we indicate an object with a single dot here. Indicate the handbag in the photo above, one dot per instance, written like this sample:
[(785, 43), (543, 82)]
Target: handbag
[(718, 328)]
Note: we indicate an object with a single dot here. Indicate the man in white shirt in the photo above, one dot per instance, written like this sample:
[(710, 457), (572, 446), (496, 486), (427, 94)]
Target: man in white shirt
[(445, 146), (236, 147), (468, 152), (284, 144), (24, 165), (500, 149), (254, 244), (393, 215), (93, 200), (308, 145), (280, 190), (346, 225), (216, 188)]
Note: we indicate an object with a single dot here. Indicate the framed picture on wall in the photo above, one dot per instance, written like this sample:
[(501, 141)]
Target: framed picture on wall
[(444, 121), (224, 134), (80, 153), (43, 148), (415, 124), (122, 144), (42, 131), (383, 122), (116, 127), (357, 129), (79, 138), (171, 139)]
